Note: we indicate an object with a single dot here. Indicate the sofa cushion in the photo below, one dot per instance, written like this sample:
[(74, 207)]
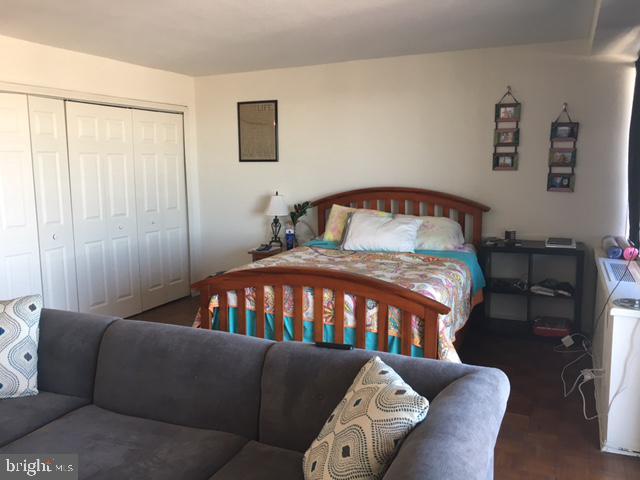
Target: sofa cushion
[(68, 351), (19, 416), (257, 461), (19, 319), (361, 435), (302, 384), (197, 378), (112, 446)]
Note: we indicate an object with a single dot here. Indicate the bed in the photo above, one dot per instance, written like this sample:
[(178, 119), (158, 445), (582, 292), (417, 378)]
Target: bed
[(408, 303)]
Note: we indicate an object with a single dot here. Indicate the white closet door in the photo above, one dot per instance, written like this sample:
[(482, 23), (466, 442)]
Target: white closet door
[(19, 253), (162, 207), (104, 208), (53, 199)]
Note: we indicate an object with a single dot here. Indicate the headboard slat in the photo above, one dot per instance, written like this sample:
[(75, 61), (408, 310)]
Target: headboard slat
[(409, 200)]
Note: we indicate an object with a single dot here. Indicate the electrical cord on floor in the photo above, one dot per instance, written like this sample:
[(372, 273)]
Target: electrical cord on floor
[(586, 375)]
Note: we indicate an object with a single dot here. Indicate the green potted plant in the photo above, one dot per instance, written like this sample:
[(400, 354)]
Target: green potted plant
[(299, 211)]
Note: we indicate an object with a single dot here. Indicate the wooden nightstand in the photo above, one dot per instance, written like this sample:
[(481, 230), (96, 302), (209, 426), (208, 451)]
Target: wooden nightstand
[(256, 255)]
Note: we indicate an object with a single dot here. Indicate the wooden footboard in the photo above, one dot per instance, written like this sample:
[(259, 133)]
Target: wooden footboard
[(360, 287)]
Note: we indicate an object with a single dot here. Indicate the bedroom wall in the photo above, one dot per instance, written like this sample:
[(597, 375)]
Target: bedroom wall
[(423, 121), (32, 67)]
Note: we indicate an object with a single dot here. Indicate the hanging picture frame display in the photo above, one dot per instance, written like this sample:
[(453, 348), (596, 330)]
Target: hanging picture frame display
[(506, 136), (258, 131), (562, 153)]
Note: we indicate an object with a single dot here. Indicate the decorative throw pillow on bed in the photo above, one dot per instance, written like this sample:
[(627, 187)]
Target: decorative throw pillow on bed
[(338, 218), (367, 232), (19, 332), (438, 233), (361, 436)]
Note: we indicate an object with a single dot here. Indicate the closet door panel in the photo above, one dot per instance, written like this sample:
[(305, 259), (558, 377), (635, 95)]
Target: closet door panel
[(53, 198), (19, 251), (103, 193), (161, 205)]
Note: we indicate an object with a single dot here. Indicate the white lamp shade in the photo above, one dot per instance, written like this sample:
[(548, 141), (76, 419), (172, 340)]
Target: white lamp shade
[(277, 207)]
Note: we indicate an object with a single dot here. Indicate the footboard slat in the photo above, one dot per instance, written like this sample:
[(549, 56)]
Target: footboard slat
[(260, 319), (318, 321), (279, 308), (298, 315), (223, 311), (405, 332), (361, 321), (242, 312), (339, 316), (360, 288), (383, 327)]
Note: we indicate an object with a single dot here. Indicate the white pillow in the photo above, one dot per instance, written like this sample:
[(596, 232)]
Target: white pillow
[(361, 436), (438, 233), (369, 232)]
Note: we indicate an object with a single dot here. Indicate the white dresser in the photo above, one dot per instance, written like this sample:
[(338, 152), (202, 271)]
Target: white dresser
[(616, 350)]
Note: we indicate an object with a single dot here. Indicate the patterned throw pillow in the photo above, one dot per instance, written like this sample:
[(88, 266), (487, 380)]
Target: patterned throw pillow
[(337, 221), (19, 332), (362, 434)]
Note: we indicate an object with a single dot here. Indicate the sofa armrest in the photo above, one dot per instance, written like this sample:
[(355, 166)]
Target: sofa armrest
[(457, 439)]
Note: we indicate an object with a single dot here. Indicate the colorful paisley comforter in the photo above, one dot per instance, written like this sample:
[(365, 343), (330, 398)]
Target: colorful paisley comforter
[(445, 280)]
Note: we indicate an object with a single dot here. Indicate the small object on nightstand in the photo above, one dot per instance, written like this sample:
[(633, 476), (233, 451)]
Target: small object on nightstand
[(260, 252), (560, 242)]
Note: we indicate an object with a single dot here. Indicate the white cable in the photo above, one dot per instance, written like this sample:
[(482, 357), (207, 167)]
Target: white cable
[(584, 403), (564, 383)]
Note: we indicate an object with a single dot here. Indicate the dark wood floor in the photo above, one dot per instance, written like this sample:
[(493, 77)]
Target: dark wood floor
[(543, 436)]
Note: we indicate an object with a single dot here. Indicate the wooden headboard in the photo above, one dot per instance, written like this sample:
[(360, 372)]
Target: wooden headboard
[(410, 201)]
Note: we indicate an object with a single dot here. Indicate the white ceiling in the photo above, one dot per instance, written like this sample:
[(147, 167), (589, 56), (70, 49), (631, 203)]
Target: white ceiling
[(201, 37), (618, 32)]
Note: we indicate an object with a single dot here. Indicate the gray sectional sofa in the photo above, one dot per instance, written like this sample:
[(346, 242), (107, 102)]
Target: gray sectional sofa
[(138, 400)]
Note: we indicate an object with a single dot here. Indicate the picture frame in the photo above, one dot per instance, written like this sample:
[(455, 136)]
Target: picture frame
[(506, 137), (564, 131), (562, 157), (508, 112), (505, 161), (561, 182), (258, 131)]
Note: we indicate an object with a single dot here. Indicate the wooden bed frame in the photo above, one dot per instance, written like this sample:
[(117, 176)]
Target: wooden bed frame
[(410, 201)]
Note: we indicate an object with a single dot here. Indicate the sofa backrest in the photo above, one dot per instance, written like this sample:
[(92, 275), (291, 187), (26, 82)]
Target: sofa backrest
[(181, 375), (68, 351), (302, 384)]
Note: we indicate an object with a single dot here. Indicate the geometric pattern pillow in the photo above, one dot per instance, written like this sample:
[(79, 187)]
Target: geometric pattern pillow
[(19, 332), (361, 436)]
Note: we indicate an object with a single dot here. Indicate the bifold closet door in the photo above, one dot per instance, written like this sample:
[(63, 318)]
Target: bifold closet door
[(161, 206), (19, 253), (104, 208), (53, 200)]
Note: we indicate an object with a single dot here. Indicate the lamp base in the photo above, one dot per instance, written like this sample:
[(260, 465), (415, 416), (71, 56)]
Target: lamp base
[(275, 229)]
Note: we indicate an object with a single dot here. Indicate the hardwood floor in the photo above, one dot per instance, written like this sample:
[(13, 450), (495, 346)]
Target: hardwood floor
[(544, 436)]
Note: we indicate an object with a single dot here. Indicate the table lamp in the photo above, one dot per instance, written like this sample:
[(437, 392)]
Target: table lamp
[(276, 208)]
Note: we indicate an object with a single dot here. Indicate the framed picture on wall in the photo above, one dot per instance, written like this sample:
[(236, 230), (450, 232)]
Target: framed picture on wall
[(561, 182), (258, 131), (562, 157), (508, 112), (506, 137), (505, 161), (564, 131)]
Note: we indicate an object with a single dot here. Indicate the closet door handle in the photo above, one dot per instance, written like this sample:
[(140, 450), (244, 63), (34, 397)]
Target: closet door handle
[(120, 227), (54, 236)]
